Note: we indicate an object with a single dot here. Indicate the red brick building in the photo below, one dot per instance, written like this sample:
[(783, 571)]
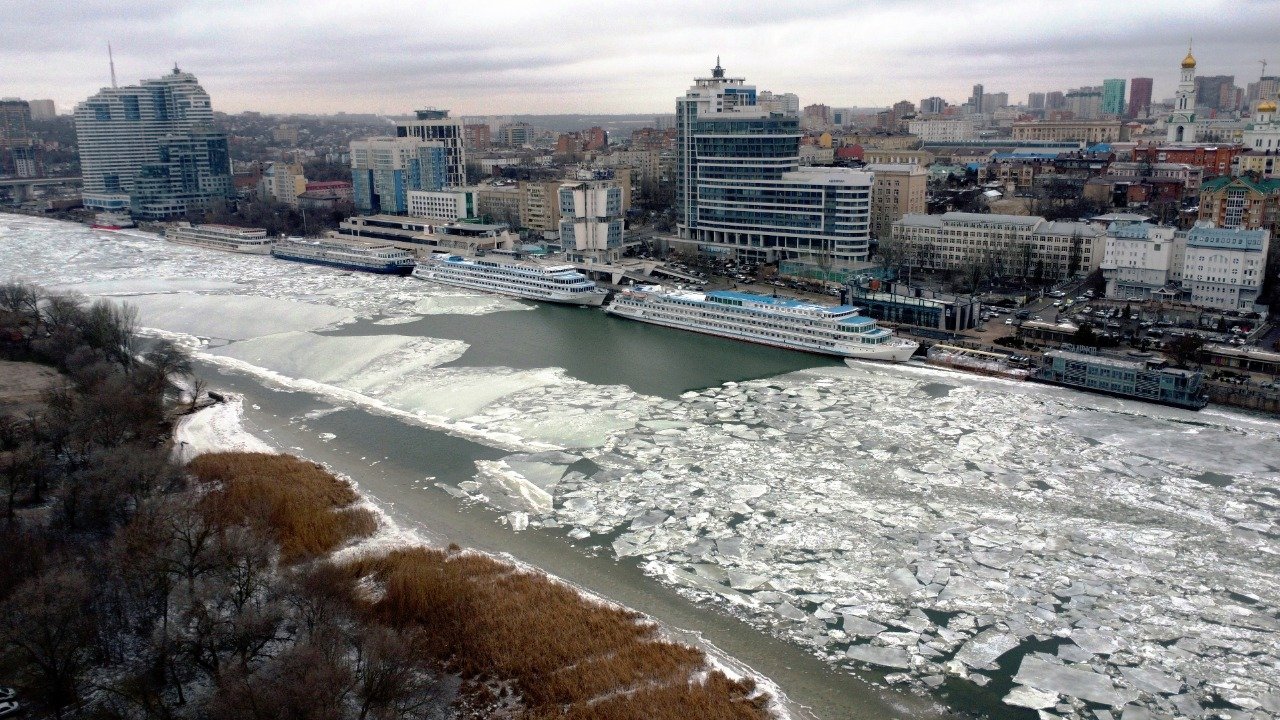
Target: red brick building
[(1215, 159)]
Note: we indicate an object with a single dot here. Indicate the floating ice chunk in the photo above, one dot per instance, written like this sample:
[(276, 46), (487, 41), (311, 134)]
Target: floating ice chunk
[(855, 625), (650, 519), (1074, 653), (1073, 682), (894, 657), (579, 534), (791, 612), (517, 520), (986, 647), (1135, 712), (740, 580), (1152, 681), (958, 587), (1027, 697), (904, 580), (748, 492), (1098, 642)]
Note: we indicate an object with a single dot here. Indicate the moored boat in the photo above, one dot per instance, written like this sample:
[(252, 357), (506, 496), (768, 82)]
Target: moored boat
[(981, 362), (253, 241), (346, 255), (839, 330), (530, 281)]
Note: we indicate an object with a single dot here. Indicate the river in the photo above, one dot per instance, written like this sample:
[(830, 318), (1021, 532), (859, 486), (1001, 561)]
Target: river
[(968, 540)]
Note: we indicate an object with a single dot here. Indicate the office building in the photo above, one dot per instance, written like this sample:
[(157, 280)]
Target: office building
[(477, 137), (540, 205), (1224, 268), (1006, 245), (436, 126), (943, 130), (781, 103), (1113, 97), (975, 100), (992, 102), (896, 190), (1216, 92), (385, 169), (932, 105), (282, 182), (151, 148), (515, 135), (740, 190), (1139, 97), (1055, 100), (1087, 131), (17, 147), (453, 204), (591, 221), (1035, 101), (1085, 103), (424, 236), (1137, 261), (499, 203), (43, 110)]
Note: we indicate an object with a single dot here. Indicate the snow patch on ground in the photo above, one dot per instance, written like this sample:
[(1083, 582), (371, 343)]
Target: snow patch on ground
[(217, 428)]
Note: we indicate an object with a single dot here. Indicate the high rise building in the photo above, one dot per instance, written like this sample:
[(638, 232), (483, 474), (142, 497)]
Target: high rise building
[(1035, 101), (43, 110), (436, 126), (1215, 92), (591, 220), (1113, 97), (782, 103), (385, 169), (17, 147), (896, 191), (932, 105), (151, 148), (477, 137), (1139, 97), (1085, 103), (992, 102), (740, 190), (1055, 100), (515, 135), (975, 99)]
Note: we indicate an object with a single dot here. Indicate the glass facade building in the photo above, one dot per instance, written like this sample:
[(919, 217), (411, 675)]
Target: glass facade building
[(151, 148), (740, 189)]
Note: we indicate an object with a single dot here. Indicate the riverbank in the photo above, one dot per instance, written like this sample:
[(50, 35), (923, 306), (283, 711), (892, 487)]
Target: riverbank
[(513, 626)]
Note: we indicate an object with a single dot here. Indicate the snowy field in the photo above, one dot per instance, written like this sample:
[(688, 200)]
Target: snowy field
[(1116, 559)]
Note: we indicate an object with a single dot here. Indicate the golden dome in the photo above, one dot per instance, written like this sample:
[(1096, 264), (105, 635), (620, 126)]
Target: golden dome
[(1267, 106), (1189, 61)]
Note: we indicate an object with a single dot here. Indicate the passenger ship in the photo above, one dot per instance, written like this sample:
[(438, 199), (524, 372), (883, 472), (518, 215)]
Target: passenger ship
[(782, 322), (550, 283), (221, 237), (348, 256)]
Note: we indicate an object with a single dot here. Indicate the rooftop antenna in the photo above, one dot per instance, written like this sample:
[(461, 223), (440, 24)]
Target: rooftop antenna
[(111, 60), (1263, 63)]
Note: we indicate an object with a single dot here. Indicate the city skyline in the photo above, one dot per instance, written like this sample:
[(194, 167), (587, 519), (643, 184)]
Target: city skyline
[(278, 57)]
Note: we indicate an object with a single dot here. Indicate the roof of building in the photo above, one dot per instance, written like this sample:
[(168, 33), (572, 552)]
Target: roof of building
[(1121, 217), (1227, 238), (895, 168), (1266, 187)]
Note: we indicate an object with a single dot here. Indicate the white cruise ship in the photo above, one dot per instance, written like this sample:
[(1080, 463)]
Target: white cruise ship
[(221, 237), (348, 256), (550, 283), (782, 322)]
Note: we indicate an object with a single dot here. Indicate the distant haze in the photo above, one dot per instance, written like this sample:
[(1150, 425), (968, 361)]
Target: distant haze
[(570, 56)]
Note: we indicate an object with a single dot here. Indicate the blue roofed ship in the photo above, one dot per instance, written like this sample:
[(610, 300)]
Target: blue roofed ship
[(840, 330), (346, 255)]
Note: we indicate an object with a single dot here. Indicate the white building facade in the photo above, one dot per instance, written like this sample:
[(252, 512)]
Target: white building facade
[(1224, 268), (443, 204), (1009, 245), (436, 126), (943, 130), (1137, 261), (591, 227)]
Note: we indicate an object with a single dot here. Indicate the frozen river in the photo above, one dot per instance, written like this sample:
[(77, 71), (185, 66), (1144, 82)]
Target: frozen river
[(976, 540)]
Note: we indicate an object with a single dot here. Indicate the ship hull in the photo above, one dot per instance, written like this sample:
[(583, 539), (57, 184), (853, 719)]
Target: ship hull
[(401, 270)]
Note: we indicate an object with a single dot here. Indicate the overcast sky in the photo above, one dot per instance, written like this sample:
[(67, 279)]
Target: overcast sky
[(489, 57)]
